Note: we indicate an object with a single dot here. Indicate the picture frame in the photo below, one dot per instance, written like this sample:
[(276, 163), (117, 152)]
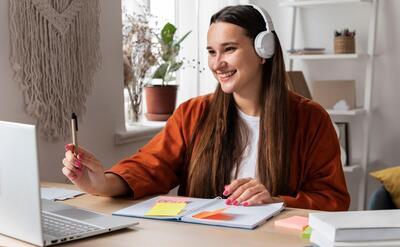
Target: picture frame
[(344, 140)]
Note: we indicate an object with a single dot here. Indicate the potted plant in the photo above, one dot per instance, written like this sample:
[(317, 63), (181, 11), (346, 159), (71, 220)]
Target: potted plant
[(139, 56), (161, 98)]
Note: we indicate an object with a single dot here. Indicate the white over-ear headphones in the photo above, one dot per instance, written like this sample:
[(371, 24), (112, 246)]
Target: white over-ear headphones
[(264, 43)]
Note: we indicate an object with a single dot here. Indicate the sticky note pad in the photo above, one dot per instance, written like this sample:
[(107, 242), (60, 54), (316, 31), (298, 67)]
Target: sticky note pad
[(306, 233), (214, 215), (207, 214), (294, 222), (166, 209), (173, 199)]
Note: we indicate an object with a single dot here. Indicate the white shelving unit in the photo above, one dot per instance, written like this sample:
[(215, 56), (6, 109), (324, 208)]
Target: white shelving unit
[(313, 3), (353, 112), (358, 171), (327, 56)]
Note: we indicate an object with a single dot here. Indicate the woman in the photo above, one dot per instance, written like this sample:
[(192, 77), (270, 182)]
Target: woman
[(251, 141)]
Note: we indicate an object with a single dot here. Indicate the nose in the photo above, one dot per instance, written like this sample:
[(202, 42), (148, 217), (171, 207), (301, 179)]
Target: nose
[(219, 63)]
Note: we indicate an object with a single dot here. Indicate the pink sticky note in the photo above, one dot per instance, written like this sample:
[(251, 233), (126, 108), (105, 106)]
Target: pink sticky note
[(173, 199), (294, 222)]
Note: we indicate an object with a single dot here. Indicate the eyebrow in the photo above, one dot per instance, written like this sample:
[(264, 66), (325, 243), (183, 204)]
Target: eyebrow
[(224, 44)]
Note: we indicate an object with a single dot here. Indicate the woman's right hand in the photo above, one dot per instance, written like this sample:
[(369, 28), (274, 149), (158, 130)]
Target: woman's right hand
[(84, 170)]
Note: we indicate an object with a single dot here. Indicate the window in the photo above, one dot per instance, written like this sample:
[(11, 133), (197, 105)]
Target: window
[(164, 9), (163, 12)]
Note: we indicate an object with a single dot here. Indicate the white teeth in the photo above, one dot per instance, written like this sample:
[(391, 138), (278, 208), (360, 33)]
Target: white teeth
[(226, 74)]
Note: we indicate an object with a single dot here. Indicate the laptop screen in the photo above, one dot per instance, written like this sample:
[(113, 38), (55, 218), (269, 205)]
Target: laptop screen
[(20, 211)]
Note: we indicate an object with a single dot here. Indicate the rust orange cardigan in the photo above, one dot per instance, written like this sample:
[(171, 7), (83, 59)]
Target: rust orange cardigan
[(316, 179)]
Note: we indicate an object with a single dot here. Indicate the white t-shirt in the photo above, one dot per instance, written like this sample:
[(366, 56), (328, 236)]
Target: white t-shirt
[(248, 165)]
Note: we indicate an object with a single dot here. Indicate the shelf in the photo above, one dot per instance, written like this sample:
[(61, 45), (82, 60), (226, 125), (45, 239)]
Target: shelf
[(356, 176), (351, 169), (310, 3), (327, 56), (354, 112), (142, 131)]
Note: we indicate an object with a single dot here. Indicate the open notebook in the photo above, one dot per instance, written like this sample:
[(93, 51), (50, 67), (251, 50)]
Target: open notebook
[(202, 211)]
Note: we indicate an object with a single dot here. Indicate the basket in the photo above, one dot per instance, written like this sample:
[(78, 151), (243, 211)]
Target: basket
[(344, 44)]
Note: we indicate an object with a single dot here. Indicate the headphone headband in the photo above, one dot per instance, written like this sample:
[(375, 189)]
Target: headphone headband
[(266, 16), (264, 42)]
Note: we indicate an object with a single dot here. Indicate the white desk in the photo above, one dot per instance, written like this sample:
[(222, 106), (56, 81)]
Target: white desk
[(176, 234)]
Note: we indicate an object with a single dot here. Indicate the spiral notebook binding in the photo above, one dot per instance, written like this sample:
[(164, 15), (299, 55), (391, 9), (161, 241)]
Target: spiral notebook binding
[(202, 207)]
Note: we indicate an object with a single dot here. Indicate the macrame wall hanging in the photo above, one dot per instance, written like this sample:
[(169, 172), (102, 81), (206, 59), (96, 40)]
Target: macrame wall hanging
[(55, 54)]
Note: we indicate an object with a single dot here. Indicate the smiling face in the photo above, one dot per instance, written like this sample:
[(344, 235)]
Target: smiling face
[(233, 60)]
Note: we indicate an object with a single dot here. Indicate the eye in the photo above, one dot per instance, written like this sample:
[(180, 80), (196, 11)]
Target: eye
[(211, 52), (230, 49)]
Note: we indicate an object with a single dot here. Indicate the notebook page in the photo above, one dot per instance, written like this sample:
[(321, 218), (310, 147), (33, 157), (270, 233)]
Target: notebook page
[(238, 216), (140, 209)]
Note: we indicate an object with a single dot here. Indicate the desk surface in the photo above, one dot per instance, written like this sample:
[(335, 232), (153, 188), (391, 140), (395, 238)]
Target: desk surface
[(166, 233)]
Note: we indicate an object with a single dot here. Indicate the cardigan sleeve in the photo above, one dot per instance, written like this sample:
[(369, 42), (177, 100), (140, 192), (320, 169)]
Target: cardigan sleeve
[(323, 186), (155, 167)]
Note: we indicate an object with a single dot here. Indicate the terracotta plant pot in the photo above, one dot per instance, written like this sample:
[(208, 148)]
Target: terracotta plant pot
[(160, 101)]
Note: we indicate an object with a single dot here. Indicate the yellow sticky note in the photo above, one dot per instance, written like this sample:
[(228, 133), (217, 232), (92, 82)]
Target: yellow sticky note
[(166, 209), (306, 233)]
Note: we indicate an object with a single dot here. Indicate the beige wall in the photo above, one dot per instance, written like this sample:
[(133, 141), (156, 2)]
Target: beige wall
[(104, 106)]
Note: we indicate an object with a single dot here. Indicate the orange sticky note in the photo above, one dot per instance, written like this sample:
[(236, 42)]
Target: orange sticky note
[(207, 214), (294, 222)]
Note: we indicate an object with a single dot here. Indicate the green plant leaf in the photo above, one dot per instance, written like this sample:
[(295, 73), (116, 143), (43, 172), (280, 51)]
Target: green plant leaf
[(183, 38), (175, 66), (168, 52), (161, 71), (170, 78), (167, 33)]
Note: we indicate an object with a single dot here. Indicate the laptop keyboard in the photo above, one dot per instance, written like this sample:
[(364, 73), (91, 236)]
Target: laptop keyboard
[(58, 227)]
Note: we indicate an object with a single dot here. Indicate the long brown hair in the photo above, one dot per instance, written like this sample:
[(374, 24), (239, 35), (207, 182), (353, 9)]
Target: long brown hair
[(220, 138)]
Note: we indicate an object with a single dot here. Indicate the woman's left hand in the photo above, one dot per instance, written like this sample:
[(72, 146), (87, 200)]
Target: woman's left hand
[(248, 192)]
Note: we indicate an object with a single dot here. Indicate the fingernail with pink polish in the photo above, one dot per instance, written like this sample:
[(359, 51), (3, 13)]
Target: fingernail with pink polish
[(225, 193), (80, 156), (228, 202), (78, 163), (235, 202), (245, 204)]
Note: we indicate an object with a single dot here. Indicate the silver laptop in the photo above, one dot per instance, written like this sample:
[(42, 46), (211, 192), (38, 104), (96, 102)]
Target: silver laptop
[(23, 214)]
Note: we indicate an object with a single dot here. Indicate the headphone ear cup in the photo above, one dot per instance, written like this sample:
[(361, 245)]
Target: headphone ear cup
[(264, 44)]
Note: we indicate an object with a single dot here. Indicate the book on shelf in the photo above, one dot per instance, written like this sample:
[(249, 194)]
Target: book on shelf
[(377, 225), (297, 83), (307, 51), (202, 211)]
